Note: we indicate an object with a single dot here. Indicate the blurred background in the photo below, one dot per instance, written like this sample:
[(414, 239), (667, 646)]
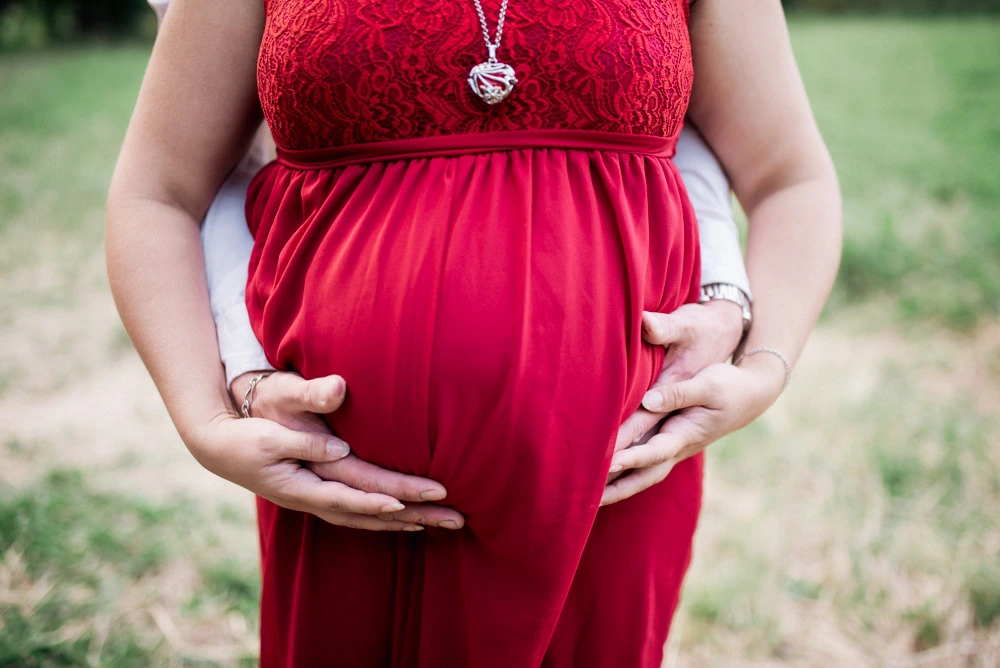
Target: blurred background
[(856, 524)]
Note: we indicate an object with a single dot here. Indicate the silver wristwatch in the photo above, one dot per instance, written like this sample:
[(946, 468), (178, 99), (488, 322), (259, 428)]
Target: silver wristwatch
[(730, 293)]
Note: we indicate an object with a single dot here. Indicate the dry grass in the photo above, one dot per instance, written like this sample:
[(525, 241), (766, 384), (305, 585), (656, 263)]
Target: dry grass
[(855, 523), (92, 578)]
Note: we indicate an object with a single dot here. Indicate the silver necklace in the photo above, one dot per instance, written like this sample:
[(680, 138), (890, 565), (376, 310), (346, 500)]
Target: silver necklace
[(492, 80)]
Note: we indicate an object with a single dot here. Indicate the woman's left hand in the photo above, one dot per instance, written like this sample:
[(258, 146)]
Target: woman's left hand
[(717, 401), (695, 336)]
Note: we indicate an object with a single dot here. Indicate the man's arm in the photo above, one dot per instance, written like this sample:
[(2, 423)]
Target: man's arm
[(708, 188), (227, 243)]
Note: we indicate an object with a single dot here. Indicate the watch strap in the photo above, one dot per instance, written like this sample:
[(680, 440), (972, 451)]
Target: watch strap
[(731, 293)]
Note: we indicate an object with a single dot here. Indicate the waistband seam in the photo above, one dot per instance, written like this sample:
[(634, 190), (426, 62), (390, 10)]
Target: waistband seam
[(476, 143)]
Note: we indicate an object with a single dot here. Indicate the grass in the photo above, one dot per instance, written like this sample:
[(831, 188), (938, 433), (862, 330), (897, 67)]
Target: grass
[(908, 109), (84, 575), (62, 119), (888, 524), (854, 525)]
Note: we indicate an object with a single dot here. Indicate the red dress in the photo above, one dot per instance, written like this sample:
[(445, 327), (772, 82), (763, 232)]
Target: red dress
[(477, 275)]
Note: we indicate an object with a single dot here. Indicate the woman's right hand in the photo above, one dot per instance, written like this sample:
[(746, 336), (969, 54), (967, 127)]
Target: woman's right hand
[(287, 455)]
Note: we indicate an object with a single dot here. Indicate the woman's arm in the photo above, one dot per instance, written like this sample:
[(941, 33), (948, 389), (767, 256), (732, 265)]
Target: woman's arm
[(751, 106), (227, 244), (177, 151)]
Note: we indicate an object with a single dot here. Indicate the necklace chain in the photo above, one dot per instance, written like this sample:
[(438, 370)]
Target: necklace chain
[(492, 46)]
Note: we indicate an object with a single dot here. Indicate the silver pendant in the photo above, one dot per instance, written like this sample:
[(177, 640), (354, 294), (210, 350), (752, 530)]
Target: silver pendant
[(492, 81)]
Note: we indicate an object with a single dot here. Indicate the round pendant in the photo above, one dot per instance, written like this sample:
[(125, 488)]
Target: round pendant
[(492, 81)]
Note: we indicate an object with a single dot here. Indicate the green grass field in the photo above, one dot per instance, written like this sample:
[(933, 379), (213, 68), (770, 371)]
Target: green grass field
[(854, 525)]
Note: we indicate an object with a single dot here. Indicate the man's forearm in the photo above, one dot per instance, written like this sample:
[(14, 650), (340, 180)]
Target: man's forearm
[(709, 192), (227, 245)]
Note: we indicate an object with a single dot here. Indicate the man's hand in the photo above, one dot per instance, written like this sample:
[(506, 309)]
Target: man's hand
[(695, 336), (368, 496)]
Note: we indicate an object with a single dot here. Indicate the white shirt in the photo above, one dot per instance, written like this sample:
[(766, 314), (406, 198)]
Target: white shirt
[(227, 241)]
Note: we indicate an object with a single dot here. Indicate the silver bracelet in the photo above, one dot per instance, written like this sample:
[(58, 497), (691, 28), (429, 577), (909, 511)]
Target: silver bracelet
[(765, 349), (248, 395)]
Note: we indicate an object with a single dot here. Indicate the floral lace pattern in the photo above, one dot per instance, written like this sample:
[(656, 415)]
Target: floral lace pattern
[(333, 72)]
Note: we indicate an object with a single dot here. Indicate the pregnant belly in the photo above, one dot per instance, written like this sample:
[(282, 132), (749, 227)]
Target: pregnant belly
[(495, 352)]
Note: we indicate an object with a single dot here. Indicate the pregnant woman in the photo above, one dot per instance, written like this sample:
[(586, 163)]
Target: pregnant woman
[(472, 251)]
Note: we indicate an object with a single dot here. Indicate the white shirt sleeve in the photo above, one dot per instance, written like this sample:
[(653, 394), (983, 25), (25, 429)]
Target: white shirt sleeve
[(160, 7), (227, 242), (708, 188)]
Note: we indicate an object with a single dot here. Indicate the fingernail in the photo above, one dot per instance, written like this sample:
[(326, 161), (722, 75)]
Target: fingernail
[(448, 524), (616, 468), (413, 527), (392, 507), (431, 495), (338, 386), (652, 401), (337, 449)]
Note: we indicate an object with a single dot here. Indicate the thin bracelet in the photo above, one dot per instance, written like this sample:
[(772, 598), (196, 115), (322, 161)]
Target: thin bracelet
[(248, 395), (765, 349)]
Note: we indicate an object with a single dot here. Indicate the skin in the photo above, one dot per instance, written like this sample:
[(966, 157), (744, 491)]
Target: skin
[(170, 168)]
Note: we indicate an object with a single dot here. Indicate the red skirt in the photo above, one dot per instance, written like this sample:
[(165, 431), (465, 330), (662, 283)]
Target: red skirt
[(481, 294)]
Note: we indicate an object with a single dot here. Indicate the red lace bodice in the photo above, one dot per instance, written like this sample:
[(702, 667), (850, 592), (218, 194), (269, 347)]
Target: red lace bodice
[(333, 72)]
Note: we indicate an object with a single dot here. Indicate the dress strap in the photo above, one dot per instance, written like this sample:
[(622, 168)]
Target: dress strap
[(480, 142)]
